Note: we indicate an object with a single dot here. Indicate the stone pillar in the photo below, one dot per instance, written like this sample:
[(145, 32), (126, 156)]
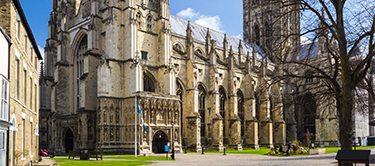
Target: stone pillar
[(251, 125), (234, 124), (265, 124), (193, 121), (217, 132), (194, 136), (279, 129)]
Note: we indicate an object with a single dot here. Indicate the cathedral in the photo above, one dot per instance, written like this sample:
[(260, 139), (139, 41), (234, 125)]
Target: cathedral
[(197, 88)]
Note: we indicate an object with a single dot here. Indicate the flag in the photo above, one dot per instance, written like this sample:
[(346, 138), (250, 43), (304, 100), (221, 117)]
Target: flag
[(140, 113)]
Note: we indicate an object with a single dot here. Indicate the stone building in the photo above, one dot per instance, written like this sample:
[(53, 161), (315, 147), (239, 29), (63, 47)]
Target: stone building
[(5, 42), (23, 87), (197, 88), (276, 29)]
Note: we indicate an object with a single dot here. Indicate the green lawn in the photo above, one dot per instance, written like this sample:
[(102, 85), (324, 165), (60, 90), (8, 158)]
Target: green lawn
[(71, 162), (335, 149), (131, 157)]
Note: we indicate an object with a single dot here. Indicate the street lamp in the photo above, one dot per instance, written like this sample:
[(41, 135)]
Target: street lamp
[(172, 142)]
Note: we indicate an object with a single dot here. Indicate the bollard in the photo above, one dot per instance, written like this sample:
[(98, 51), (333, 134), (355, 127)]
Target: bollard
[(185, 151), (202, 150), (224, 152)]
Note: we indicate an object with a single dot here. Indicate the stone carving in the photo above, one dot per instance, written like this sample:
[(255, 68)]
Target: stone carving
[(117, 134), (117, 116), (111, 135), (104, 116), (86, 9)]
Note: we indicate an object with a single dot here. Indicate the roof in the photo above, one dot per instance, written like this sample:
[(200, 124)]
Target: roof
[(27, 27), (305, 51), (199, 32), (5, 34)]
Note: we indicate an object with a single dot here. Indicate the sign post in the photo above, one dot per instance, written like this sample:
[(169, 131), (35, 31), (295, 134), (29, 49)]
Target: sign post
[(135, 127)]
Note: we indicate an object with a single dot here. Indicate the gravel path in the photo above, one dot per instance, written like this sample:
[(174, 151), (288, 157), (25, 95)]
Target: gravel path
[(249, 159)]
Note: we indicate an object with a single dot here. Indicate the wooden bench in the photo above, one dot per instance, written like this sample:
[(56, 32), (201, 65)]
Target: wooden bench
[(353, 156), (97, 155), (73, 153)]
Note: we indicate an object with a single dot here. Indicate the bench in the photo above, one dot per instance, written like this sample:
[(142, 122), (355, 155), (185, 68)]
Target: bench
[(73, 153), (353, 156), (96, 155)]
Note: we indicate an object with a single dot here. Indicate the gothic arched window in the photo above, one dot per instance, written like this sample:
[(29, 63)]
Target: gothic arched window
[(223, 98), (139, 20), (149, 23), (180, 93), (80, 63), (309, 113), (257, 35), (202, 109), (148, 83), (309, 78), (240, 101)]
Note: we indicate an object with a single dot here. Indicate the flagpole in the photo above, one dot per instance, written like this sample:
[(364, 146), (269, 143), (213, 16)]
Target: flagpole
[(135, 127)]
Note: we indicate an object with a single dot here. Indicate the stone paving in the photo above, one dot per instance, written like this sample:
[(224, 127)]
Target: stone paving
[(249, 159)]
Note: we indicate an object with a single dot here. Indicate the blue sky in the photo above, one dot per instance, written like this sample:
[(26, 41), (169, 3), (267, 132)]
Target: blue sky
[(221, 15)]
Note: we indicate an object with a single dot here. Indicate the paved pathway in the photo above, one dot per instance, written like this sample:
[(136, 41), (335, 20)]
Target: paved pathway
[(249, 159), (46, 161)]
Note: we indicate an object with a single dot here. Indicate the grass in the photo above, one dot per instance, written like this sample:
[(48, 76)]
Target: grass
[(131, 157), (335, 149), (71, 162), (107, 163)]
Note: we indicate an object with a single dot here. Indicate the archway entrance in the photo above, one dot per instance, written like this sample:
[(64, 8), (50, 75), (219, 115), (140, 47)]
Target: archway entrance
[(159, 141), (68, 141)]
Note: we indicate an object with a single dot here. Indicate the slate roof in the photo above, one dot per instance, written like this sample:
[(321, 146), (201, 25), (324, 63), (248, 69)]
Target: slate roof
[(305, 51), (199, 32)]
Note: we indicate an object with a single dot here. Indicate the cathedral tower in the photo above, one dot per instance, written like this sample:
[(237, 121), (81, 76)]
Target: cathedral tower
[(262, 26)]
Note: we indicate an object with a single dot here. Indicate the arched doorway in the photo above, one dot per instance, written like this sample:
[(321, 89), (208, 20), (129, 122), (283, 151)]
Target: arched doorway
[(159, 141), (68, 141)]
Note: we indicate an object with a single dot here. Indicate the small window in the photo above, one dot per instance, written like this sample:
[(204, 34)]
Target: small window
[(144, 55), (199, 52), (178, 47), (309, 78), (18, 24), (149, 23)]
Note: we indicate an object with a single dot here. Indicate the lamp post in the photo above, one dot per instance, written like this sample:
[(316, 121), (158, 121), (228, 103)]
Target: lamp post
[(172, 142)]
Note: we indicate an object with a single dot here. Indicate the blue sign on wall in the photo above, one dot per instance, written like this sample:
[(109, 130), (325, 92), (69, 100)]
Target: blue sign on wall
[(166, 148)]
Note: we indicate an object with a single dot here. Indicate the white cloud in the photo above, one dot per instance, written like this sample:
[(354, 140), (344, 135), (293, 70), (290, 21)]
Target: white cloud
[(212, 22), (188, 13)]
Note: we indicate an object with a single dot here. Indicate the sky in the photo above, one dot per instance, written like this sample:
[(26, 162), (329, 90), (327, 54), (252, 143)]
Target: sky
[(219, 15)]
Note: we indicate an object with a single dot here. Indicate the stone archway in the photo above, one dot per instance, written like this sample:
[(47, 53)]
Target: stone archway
[(69, 141), (159, 140)]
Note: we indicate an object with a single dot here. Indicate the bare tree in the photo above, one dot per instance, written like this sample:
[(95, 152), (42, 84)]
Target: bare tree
[(340, 28)]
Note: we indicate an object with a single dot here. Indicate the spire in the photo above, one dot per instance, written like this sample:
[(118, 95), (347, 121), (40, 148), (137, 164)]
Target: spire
[(248, 63), (239, 53), (189, 37), (225, 45), (231, 58), (208, 41)]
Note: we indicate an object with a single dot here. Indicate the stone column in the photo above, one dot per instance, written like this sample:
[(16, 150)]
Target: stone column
[(265, 124), (251, 125), (234, 124), (193, 121), (279, 129)]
